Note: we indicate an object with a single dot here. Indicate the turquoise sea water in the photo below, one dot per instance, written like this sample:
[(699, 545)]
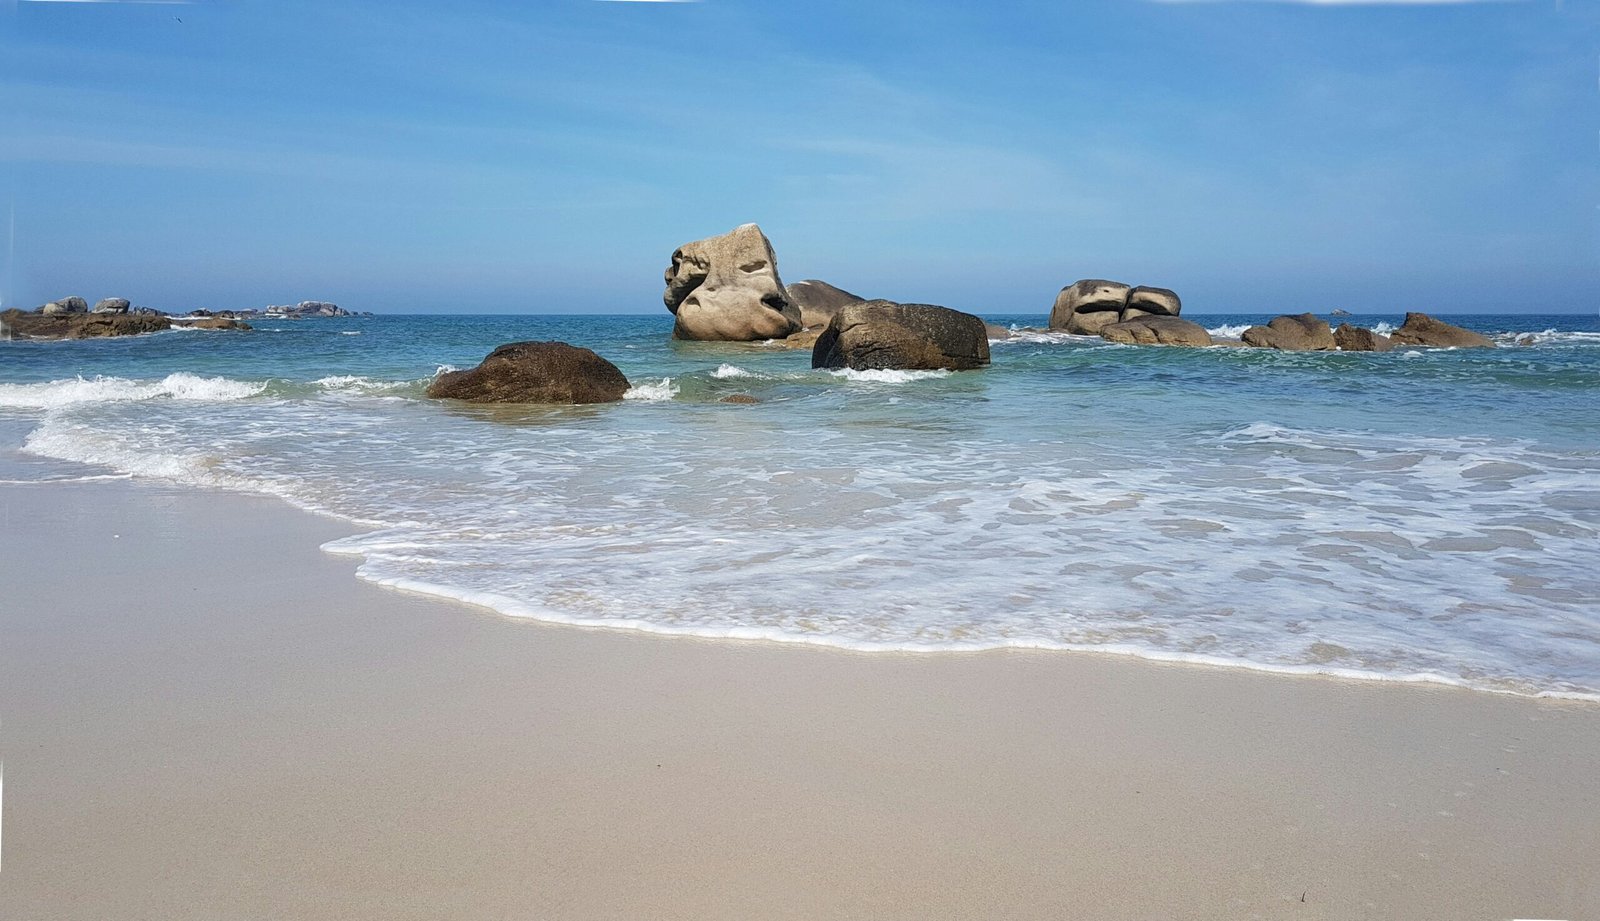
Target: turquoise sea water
[(1412, 515)]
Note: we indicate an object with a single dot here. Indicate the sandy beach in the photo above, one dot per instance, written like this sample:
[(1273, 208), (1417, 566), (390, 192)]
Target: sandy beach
[(205, 716)]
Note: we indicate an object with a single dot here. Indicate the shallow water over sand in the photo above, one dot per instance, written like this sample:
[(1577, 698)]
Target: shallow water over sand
[(1425, 514)]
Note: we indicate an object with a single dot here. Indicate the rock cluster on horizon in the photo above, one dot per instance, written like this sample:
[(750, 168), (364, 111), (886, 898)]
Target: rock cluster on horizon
[(1089, 305)]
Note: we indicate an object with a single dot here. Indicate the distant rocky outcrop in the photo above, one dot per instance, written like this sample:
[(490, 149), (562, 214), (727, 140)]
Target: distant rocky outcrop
[(1421, 329), (883, 335), (1089, 305), (1157, 330), (112, 305), (534, 372), (727, 289), (1339, 313), (1355, 339), (214, 322), (306, 309), (818, 301), (1298, 333), (79, 325)]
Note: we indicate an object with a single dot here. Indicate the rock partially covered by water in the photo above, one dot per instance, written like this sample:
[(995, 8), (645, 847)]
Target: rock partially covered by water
[(818, 301), (64, 325), (534, 372), (1089, 305), (1304, 332), (727, 289), (112, 305), (1157, 330), (1355, 339), (216, 322), (1421, 329), (883, 335)]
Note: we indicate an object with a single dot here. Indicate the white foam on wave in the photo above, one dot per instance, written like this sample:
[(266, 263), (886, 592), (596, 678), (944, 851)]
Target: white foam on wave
[(350, 332), (653, 392), (1383, 328), (177, 386), (726, 371), (887, 375), (1229, 332), (352, 383)]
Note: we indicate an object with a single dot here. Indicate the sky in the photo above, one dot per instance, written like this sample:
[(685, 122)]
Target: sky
[(547, 156)]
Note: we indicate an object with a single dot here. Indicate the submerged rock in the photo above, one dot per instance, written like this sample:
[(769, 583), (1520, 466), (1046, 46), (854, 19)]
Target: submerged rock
[(727, 289), (885, 335), (1356, 339), (818, 301), (1299, 333), (743, 398), (534, 372), (1157, 330), (1421, 329)]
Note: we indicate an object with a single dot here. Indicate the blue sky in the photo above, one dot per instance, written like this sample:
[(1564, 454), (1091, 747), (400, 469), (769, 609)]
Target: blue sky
[(548, 156)]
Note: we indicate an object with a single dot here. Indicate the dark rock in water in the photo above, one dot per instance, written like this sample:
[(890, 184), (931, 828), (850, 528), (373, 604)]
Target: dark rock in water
[(1355, 339), (743, 398), (885, 335), (534, 372), (1145, 300), (1157, 330), (1299, 333), (818, 301), (1421, 329), (726, 289), (112, 305), (1088, 305), (77, 325)]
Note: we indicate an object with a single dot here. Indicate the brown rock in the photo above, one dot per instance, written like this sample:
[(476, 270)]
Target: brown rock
[(818, 301), (886, 335), (1421, 329), (1355, 339), (996, 333), (1157, 330), (1158, 301), (1087, 305), (217, 323), (534, 372), (727, 289), (79, 325), (1299, 333), (742, 398)]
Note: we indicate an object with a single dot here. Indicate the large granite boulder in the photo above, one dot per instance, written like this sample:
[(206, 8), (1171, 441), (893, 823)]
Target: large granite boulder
[(885, 335), (1147, 301), (1157, 330), (73, 304), (818, 301), (534, 372), (1089, 305), (112, 305), (1421, 329), (727, 289), (1300, 333), (1356, 339)]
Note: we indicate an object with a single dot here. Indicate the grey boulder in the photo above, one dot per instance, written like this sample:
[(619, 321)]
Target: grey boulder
[(727, 289), (112, 305)]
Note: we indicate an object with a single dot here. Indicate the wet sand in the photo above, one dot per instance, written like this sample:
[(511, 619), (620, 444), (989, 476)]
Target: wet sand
[(202, 715)]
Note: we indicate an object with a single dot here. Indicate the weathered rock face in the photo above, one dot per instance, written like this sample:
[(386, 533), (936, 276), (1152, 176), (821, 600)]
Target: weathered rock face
[(73, 304), (112, 305), (1157, 330), (818, 301), (534, 372), (885, 335), (1086, 306), (1421, 329), (1355, 339), (1300, 333), (63, 325), (1156, 301), (727, 289)]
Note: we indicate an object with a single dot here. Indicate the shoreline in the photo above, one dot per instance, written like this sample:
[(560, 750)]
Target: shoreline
[(190, 736)]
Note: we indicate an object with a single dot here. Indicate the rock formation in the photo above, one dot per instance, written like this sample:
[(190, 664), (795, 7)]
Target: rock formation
[(727, 289), (216, 323), (885, 335), (1421, 329), (80, 325), (1355, 339), (1299, 333), (534, 372), (1157, 330), (1086, 307), (818, 301), (112, 305)]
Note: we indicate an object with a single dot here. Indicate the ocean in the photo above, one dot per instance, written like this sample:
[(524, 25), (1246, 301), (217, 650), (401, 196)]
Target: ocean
[(1421, 515)]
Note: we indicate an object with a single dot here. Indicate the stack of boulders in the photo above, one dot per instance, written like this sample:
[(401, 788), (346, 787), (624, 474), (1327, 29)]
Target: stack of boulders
[(1308, 332), (1124, 313)]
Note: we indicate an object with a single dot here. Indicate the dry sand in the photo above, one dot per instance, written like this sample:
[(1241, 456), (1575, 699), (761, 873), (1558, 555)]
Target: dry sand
[(204, 716)]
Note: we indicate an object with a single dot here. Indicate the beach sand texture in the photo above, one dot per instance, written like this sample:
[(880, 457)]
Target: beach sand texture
[(206, 717)]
